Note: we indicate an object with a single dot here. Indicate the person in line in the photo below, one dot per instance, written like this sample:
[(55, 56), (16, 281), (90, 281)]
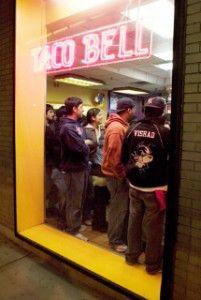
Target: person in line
[(57, 175), (112, 168), (145, 156), (52, 155), (74, 164), (97, 194)]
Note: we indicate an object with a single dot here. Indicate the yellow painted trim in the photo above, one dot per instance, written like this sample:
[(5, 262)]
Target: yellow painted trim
[(100, 261), (29, 118)]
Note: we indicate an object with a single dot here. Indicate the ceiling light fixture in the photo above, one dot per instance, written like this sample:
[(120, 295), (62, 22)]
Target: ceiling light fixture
[(166, 55), (166, 66), (78, 80), (157, 16), (130, 91)]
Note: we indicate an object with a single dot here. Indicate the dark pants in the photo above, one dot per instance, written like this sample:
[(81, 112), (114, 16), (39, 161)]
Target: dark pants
[(88, 204), (76, 189), (144, 212), (118, 210), (101, 199), (55, 188)]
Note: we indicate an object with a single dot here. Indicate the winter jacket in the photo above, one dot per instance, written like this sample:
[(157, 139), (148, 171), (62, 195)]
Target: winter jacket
[(96, 149), (75, 153), (115, 132), (145, 154), (52, 147)]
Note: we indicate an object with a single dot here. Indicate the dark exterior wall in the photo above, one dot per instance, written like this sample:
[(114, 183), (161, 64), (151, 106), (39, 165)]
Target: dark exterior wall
[(187, 279), (187, 271), (6, 111)]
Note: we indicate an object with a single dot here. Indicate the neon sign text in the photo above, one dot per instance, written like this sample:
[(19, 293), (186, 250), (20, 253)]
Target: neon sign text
[(110, 44)]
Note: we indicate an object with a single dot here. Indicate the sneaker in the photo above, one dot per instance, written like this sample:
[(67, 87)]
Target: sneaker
[(139, 259), (81, 237), (130, 261), (88, 222), (82, 228), (120, 248), (154, 271)]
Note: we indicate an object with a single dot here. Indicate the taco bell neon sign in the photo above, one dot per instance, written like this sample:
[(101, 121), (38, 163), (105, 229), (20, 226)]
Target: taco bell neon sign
[(119, 42)]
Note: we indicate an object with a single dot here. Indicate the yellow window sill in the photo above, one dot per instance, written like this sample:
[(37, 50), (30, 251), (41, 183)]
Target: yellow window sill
[(102, 262)]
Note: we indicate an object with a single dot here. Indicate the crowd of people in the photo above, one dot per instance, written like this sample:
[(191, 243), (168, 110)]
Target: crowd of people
[(90, 167)]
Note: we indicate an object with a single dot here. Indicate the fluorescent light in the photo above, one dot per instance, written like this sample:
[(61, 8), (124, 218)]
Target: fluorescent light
[(166, 67), (130, 92), (79, 81), (157, 16), (168, 55), (79, 4)]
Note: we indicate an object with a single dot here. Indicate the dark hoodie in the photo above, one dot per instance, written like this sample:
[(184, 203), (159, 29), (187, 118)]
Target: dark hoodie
[(75, 153), (115, 132)]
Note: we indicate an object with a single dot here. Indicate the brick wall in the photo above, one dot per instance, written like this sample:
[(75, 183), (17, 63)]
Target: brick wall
[(187, 280), (6, 111), (187, 283)]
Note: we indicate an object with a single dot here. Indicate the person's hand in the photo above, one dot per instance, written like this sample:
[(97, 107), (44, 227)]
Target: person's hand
[(88, 142)]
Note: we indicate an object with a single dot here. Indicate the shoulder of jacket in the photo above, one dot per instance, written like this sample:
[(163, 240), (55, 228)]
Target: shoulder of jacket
[(117, 125)]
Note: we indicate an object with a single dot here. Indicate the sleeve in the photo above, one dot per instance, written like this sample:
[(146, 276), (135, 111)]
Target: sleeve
[(94, 146), (74, 142), (115, 141), (125, 150), (125, 154), (166, 139)]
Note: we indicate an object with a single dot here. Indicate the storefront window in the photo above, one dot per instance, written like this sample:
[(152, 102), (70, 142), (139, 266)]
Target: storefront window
[(78, 65)]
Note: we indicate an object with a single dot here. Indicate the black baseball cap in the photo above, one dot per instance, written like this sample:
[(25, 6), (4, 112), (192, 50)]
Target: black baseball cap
[(124, 103), (156, 102)]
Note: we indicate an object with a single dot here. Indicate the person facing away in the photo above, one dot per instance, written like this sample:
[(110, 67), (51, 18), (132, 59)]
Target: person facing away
[(50, 139), (52, 155), (74, 164), (145, 155), (97, 193), (113, 169)]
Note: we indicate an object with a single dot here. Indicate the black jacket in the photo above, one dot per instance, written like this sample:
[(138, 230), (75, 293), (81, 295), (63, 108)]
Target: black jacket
[(75, 153), (52, 146), (145, 153)]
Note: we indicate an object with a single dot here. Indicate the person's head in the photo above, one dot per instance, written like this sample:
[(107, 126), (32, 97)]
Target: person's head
[(61, 112), (155, 107), (94, 116), (49, 113), (74, 107), (125, 108)]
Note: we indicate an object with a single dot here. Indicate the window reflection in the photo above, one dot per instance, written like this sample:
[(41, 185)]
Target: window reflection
[(107, 124)]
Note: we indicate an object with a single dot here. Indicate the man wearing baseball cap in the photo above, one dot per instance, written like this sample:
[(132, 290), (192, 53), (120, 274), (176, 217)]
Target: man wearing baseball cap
[(144, 155), (116, 127)]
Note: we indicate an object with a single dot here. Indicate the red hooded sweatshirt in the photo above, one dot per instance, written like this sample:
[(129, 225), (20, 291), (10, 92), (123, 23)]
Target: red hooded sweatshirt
[(115, 132)]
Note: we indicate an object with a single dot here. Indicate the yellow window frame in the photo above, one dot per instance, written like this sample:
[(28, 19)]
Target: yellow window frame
[(30, 95)]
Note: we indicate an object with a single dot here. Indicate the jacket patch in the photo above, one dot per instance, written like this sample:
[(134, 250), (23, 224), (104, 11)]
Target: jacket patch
[(145, 133)]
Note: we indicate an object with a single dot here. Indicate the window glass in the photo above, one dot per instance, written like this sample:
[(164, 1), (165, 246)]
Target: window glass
[(95, 76)]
